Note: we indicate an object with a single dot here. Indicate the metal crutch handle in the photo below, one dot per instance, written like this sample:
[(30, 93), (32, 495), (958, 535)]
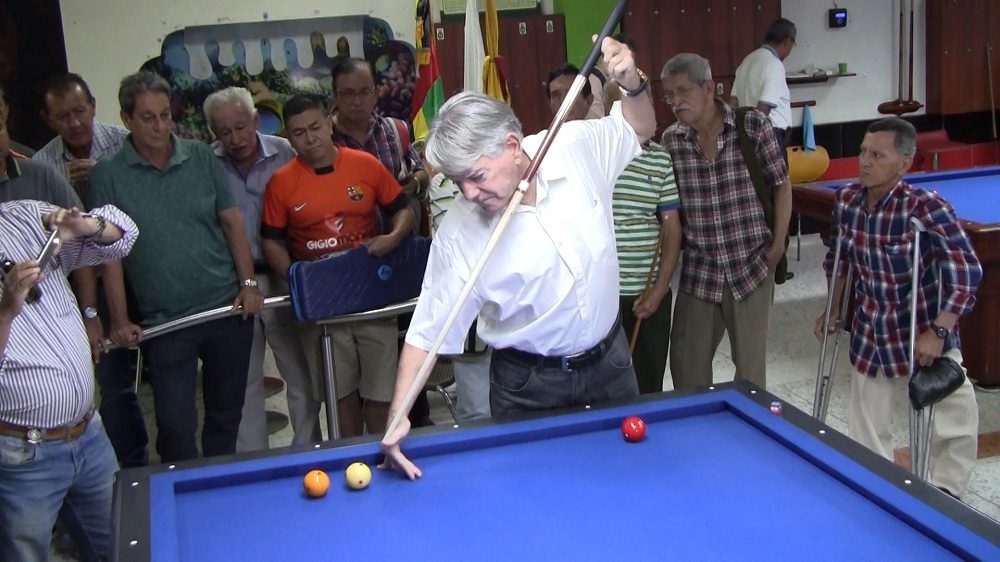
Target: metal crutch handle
[(920, 428), (840, 325), (824, 381)]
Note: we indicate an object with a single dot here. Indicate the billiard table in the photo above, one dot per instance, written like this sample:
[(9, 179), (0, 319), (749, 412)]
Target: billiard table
[(975, 195), (717, 476)]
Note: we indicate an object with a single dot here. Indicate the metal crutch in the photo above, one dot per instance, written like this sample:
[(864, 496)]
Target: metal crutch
[(824, 376), (920, 427)]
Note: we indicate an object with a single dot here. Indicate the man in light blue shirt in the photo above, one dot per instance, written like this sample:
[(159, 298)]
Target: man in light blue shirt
[(68, 107), (248, 159)]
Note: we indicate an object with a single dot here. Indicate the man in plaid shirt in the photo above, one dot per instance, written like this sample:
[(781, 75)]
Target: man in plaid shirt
[(357, 125), (877, 244), (730, 253)]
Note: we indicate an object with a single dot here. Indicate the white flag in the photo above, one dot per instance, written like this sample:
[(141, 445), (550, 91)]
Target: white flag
[(474, 51)]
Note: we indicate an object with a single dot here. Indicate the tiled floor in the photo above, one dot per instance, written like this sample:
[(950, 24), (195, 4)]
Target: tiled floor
[(792, 357)]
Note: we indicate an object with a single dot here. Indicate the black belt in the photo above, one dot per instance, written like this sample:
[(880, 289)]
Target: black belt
[(566, 362)]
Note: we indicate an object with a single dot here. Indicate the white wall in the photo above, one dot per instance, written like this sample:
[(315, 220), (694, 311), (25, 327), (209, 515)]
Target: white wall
[(869, 47), (109, 39)]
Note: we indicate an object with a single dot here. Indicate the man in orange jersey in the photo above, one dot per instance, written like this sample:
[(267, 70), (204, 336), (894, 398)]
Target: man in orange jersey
[(322, 202)]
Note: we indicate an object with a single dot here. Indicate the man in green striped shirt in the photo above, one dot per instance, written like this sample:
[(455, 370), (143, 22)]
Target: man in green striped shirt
[(648, 236)]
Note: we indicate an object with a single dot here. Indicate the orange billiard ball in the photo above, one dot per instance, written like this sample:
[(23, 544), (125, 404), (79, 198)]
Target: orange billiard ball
[(316, 483), (358, 475)]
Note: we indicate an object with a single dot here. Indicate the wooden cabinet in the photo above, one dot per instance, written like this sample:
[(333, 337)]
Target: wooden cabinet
[(957, 74), (723, 31), (532, 44)]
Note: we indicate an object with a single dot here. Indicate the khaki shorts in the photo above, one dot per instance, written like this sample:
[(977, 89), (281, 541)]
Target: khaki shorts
[(365, 355)]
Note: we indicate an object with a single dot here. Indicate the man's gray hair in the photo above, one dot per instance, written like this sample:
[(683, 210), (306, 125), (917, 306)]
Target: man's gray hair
[(139, 83), (905, 142), (695, 66), (468, 127), (232, 94)]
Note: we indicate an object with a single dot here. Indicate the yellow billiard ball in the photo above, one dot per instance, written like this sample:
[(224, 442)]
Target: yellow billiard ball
[(358, 475), (316, 483)]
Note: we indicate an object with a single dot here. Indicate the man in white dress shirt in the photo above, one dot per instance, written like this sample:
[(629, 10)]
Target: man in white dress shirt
[(547, 300), (760, 78)]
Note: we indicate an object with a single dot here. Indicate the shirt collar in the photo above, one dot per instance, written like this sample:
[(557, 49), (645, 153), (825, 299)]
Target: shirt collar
[(770, 48), (728, 121), (13, 169), (99, 133), (177, 157), (896, 190), (264, 150)]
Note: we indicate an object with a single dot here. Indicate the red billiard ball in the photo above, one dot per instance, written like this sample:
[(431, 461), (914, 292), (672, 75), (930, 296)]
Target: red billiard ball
[(633, 429)]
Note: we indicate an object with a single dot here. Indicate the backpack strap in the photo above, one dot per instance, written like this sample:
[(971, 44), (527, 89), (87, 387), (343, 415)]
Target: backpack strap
[(402, 138), (764, 193)]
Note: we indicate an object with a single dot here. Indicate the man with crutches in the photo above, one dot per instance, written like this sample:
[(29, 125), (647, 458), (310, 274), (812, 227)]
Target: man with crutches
[(880, 226)]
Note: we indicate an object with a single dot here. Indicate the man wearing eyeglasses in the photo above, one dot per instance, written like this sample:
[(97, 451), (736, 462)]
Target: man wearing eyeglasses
[(730, 253), (357, 125)]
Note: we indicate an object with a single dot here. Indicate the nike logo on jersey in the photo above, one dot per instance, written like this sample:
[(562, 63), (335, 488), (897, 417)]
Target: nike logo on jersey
[(298, 208)]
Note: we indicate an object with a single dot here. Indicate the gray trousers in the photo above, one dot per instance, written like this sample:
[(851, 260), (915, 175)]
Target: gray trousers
[(278, 328), (698, 327)]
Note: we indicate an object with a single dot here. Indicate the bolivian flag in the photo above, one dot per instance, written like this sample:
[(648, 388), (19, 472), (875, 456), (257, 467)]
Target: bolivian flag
[(428, 94)]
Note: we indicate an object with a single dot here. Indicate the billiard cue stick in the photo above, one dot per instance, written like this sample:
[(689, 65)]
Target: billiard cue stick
[(649, 281), (993, 107), (423, 373)]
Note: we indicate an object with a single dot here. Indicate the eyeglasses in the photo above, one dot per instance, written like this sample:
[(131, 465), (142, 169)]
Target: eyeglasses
[(348, 95), (682, 92)]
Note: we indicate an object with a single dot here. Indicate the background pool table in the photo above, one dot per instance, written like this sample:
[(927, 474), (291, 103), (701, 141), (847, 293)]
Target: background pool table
[(718, 476), (975, 195)]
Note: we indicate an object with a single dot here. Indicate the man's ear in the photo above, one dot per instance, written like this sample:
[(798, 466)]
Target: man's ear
[(512, 143), (907, 162)]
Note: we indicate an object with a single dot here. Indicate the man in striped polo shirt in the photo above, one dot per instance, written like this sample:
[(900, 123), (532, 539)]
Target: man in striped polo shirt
[(644, 194), (644, 207)]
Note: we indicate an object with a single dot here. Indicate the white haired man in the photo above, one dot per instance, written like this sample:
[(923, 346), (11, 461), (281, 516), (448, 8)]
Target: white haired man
[(248, 160), (547, 300)]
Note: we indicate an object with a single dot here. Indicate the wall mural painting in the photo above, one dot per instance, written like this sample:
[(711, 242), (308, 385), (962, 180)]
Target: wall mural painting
[(276, 60)]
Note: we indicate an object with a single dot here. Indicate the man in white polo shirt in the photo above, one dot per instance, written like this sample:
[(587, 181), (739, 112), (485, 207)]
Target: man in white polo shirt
[(760, 78)]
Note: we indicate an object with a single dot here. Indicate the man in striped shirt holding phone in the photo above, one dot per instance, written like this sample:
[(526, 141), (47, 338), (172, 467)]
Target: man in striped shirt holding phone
[(55, 457)]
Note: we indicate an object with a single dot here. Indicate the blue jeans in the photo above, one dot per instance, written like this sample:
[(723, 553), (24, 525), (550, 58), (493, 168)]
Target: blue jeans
[(172, 362), (71, 479), (517, 387)]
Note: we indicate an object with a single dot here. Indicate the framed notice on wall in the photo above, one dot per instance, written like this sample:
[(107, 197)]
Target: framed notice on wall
[(449, 7)]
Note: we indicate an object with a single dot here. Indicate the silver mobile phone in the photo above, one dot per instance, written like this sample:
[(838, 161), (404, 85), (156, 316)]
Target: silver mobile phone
[(48, 250)]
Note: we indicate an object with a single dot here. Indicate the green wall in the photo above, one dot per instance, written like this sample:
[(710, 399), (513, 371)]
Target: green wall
[(584, 18)]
